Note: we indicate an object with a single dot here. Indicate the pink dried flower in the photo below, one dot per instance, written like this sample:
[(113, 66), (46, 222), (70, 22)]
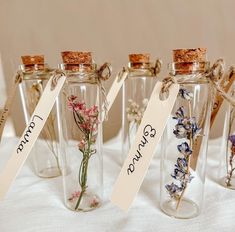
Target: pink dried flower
[(74, 196), (81, 145), (74, 104), (94, 202), (86, 118)]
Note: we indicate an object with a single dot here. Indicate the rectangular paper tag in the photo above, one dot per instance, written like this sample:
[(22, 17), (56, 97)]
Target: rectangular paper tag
[(141, 152), (115, 88), (226, 83), (30, 135)]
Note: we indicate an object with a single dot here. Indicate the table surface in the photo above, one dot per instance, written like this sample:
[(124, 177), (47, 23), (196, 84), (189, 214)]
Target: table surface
[(35, 204)]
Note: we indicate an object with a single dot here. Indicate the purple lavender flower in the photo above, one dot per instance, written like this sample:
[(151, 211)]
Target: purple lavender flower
[(180, 131), (178, 174), (186, 128), (195, 129), (185, 94), (232, 139), (181, 163), (184, 149), (179, 114), (173, 190)]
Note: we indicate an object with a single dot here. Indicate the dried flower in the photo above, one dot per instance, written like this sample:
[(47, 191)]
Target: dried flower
[(74, 196), (231, 160), (184, 149), (94, 203), (87, 121), (186, 127), (174, 190), (232, 139), (86, 118), (81, 145), (135, 112), (185, 94)]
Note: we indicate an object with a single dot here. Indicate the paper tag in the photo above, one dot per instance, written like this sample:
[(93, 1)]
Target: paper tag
[(30, 135), (142, 150), (7, 106), (115, 88), (226, 83)]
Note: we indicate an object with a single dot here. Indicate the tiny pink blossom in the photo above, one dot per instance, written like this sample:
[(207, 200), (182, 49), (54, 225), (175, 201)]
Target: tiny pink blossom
[(74, 196), (94, 202), (82, 144)]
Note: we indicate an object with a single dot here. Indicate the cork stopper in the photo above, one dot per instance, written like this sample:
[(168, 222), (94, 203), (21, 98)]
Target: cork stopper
[(189, 55), (187, 61), (32, 63), (139, 58), (74, 60)]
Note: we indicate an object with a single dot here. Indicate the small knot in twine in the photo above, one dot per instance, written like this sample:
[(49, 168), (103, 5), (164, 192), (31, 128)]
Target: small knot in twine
[(56, 76), (157, 67)]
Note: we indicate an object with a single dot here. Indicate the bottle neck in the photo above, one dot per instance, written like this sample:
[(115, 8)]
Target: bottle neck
[(141, 69), (35, 71), (187, 68), (81, 72)]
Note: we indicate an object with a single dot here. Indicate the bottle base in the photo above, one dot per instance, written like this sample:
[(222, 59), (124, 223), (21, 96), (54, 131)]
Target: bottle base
[(230, 184), (89, 201), (49, 172), (187, 209)]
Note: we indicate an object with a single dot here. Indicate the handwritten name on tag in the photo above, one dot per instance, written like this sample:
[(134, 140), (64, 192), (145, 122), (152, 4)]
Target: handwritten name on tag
[(142, 150), (30, 135)]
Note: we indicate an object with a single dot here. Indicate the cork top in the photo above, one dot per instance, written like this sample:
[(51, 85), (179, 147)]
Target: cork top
[(33, 63), (139, 58), (187, 61), (74, 57), (77, 61), (189, 55), (32, 60)]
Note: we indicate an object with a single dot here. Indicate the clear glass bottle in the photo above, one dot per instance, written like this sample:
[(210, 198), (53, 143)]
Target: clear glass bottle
[(227, 148), (136, 92), (45, 151), (80, 112), (184, 148)]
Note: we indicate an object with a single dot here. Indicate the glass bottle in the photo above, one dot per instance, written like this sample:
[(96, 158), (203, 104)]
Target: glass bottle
[(227, 148), (80, 113), (184, 148), (136, 92), (45, 151)]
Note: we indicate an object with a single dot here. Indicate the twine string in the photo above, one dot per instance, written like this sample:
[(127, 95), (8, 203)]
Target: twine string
[(104, 73), (213, 74), (157, 67), (18, 77), (56, 76)]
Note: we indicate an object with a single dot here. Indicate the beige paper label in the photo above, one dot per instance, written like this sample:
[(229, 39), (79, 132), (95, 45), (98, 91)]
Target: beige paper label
[(8, 104), (141, 152), (115, 88), (226, 83), (30, 135)]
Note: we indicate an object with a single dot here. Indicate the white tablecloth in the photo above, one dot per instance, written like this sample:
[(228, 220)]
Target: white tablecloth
[(36, 205)]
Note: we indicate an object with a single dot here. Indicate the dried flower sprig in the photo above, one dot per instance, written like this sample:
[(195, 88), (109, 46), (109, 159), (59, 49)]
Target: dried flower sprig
[(231, 161), (186, 128), (87, 121), (48, 132), (135, 114)]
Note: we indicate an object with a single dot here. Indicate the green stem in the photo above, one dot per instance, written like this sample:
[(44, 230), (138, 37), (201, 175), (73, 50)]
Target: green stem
[(83, 173)]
